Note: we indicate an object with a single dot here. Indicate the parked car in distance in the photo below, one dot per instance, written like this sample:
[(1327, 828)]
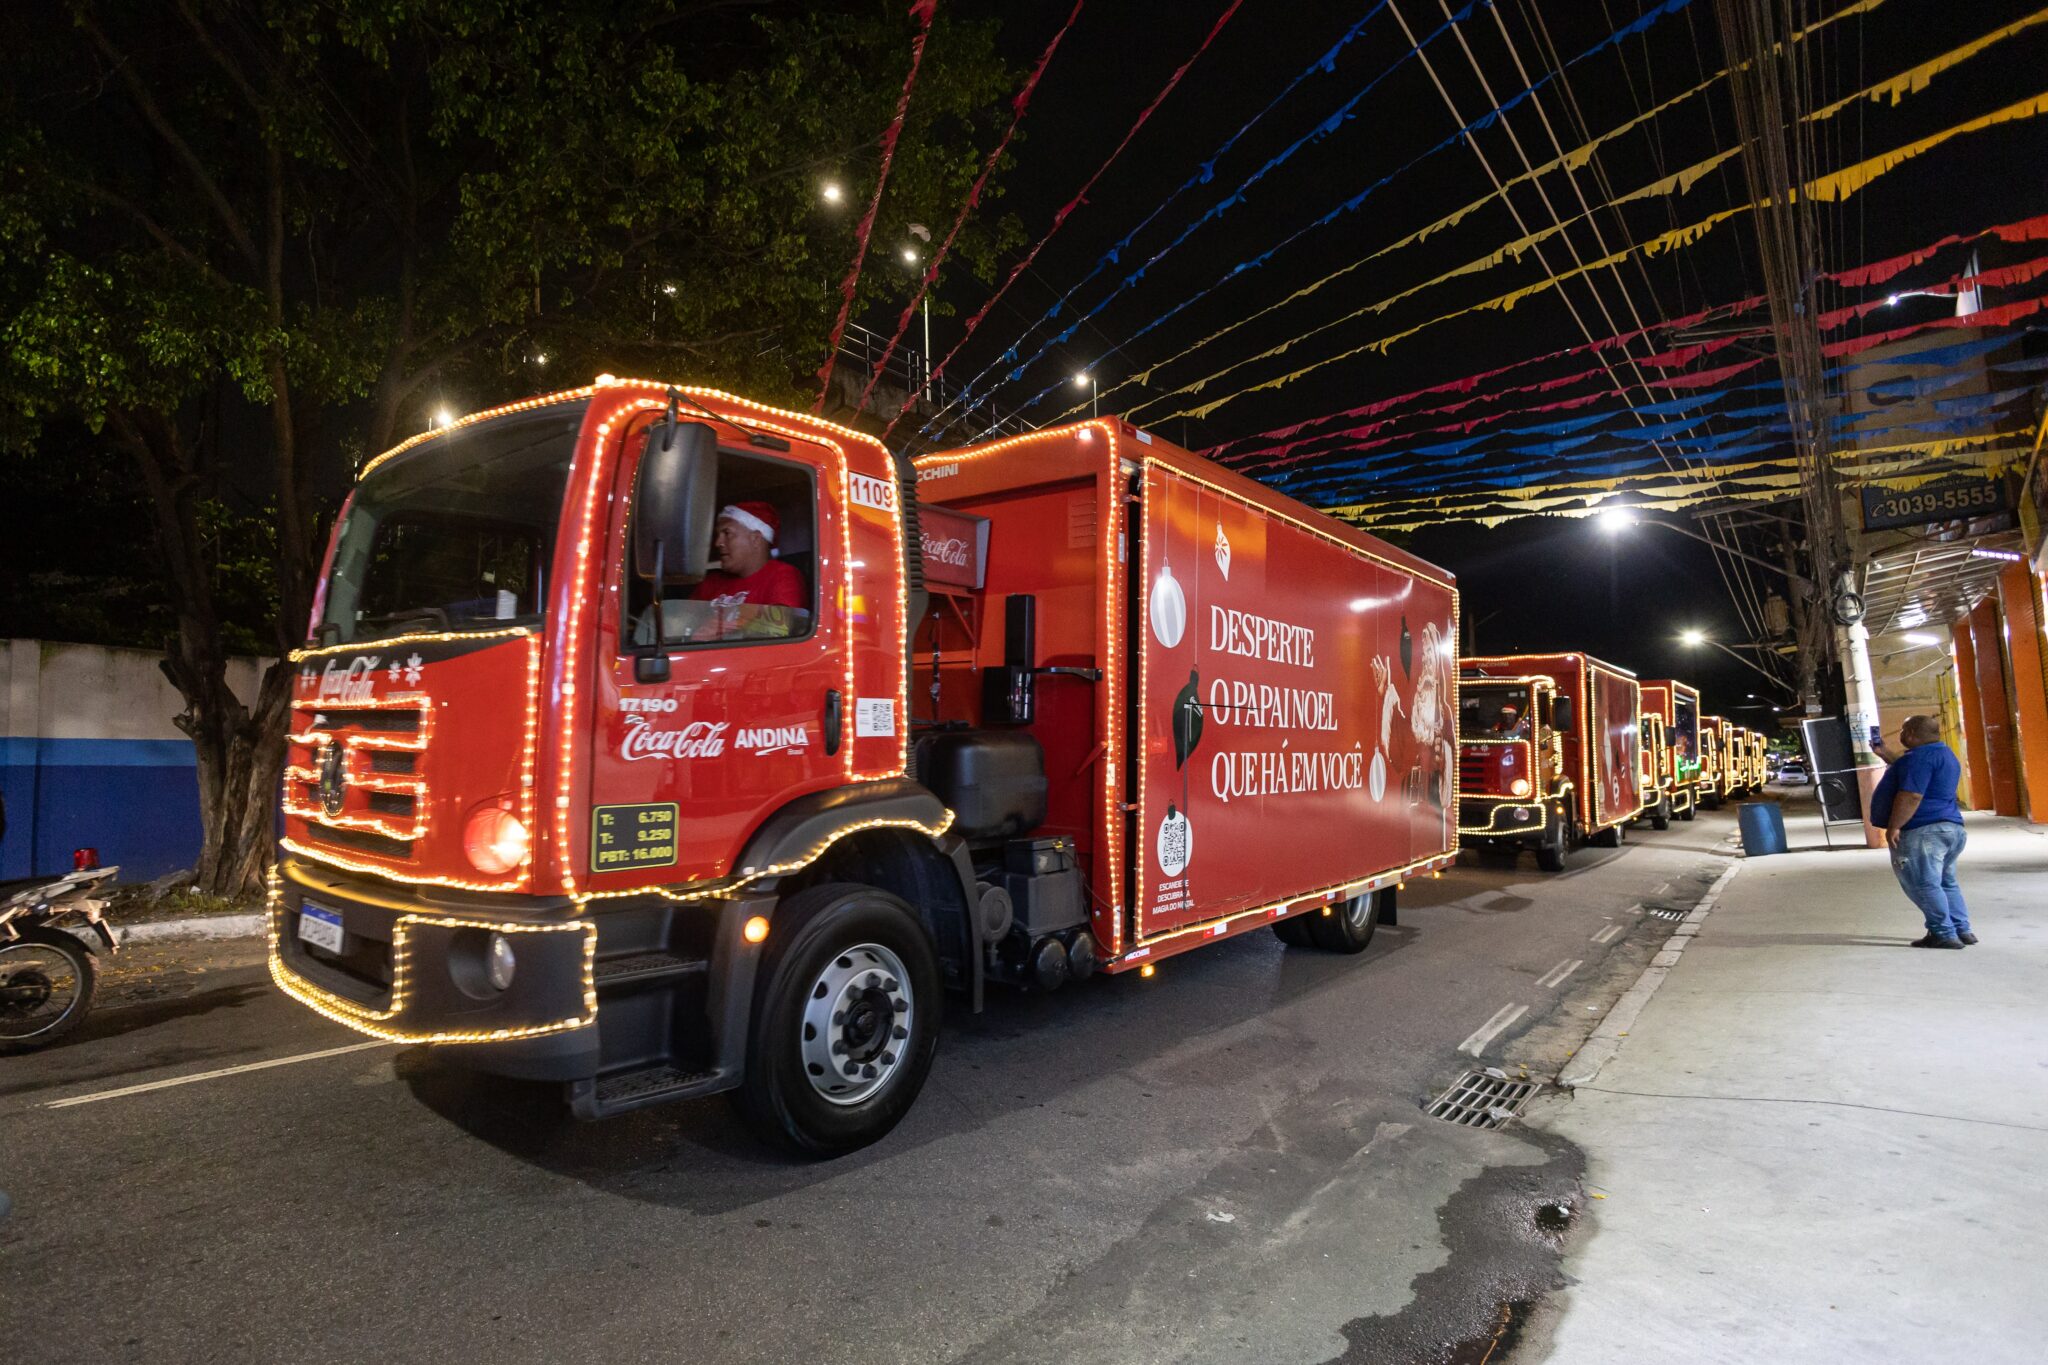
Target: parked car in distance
[(1794, 771)]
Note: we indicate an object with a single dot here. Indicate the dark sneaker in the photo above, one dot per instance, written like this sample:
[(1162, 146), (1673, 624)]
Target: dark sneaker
[(1967, 937), (1930, 941)]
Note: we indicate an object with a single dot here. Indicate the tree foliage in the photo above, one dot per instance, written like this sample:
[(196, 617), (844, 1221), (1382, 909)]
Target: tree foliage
[(250, 242)]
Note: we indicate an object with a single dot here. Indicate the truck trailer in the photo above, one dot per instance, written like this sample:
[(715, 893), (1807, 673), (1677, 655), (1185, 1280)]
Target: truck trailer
[(1671, 748), (571, 804), (1549, 753)]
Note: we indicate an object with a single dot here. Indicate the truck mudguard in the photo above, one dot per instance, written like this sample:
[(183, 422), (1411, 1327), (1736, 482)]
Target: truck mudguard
[(940, 884)]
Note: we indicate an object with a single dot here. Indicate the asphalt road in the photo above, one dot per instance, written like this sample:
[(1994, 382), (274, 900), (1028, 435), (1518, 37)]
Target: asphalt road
[(1228, 1162)]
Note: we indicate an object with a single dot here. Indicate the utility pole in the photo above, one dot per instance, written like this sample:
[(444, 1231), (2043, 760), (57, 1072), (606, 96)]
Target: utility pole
[(1768, 78)]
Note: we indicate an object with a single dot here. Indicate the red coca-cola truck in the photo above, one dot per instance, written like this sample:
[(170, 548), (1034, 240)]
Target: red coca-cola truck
[(1549, 753), (1671, 750), (570, 803)]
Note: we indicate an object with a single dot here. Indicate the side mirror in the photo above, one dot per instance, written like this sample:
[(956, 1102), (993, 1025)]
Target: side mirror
[(1560, 713), (676, 506)]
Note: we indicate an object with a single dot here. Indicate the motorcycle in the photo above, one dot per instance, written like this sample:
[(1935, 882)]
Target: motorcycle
[(49, 974)]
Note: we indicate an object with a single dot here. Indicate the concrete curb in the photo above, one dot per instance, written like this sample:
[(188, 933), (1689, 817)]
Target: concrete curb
[(190, 927), (1600, 1049)]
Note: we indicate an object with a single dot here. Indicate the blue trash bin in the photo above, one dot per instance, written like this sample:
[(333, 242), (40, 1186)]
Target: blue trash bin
[(1763, 827)]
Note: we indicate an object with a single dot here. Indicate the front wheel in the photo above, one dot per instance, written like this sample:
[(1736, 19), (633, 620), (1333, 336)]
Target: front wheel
[(47, 982), (1688, 813), (1660, 818), (1557, 842), (846, 1022)]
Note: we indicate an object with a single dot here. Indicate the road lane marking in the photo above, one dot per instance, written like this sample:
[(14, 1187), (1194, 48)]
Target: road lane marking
[(171, 1081), (1488, 1031), (1605, 934), (1556, 975)]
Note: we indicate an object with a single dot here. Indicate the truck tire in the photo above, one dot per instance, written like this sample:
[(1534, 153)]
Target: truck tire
[(1689, 811), (47, 982), (1660, 818), (1349, 926), (1606, 838), (1555, 845), (845, 1022)]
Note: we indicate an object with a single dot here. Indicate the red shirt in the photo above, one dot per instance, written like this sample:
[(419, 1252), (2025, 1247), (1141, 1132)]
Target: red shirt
[(775, 585)]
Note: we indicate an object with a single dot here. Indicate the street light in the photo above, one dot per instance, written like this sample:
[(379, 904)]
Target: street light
[(1615, 520), (831, 193), (1693, 637), (1086, 380), (443, 418)]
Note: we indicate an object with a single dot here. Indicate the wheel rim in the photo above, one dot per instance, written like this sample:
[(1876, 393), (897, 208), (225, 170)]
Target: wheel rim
[(39, 987), (1358, 912), (857, 1024)]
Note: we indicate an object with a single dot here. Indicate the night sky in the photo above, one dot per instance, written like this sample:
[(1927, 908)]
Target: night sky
[(1541, 583)]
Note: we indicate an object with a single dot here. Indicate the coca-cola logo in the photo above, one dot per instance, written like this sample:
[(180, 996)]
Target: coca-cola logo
[(952, 550), (349, 684), (698, 739)]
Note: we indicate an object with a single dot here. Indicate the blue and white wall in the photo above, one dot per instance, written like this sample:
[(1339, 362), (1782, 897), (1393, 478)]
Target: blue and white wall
[(89, 757)]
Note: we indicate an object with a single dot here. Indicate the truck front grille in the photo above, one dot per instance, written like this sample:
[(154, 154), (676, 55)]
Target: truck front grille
[(351, 774)]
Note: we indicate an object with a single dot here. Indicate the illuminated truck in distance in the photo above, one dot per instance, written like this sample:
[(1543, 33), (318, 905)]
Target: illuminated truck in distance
[(1715, 761), (1742, 751), (1671, 750), (571, 806), (1759, 761), (1549, 753)]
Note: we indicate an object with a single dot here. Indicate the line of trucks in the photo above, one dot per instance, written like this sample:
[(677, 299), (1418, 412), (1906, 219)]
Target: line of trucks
[(583, 786)]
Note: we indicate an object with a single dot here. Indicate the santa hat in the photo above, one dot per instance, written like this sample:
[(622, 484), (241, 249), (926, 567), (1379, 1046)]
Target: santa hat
[(757, 517)]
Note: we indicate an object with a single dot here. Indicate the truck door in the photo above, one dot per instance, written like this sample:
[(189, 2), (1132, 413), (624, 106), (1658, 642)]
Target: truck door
[(751, 713)]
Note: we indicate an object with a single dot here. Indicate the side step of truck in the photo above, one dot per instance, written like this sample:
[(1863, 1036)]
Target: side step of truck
[(624, 1091), (645, 969), (656, 996)]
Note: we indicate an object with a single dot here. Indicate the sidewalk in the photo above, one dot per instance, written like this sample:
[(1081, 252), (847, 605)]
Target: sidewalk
[(1815, 1143)]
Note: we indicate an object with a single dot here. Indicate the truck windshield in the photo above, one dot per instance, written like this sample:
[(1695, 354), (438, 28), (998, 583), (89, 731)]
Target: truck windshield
[(1493, 712), (455, 534)]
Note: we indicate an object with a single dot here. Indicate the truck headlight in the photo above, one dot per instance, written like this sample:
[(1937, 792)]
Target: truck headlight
[(496, 841), (1520, 786)]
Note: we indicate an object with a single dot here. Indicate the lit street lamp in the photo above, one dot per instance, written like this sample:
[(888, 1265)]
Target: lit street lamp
[(1086, 380), (1693, 638), (1615, 520)]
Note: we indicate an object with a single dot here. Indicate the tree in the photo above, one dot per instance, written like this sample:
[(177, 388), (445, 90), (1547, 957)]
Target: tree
[(251, 242)]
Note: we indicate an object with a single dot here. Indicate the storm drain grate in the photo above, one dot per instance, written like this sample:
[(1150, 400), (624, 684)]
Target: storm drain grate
[(1670, 912), (1482, 1099)]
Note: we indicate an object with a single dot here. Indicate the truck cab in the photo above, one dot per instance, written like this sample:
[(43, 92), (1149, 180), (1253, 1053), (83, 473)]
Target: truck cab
[(1671, 743), (1513, 786)]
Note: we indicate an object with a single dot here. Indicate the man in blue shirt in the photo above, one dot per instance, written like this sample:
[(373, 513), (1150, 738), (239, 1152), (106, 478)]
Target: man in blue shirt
[(1915, 801)]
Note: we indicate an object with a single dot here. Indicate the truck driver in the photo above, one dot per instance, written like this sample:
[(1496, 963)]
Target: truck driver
[(751, 595)]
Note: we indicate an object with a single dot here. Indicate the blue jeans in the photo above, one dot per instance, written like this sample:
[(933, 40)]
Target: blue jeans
[(1926, 867)]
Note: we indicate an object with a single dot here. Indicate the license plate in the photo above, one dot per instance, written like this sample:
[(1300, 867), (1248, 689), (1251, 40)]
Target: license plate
[(321, 928)]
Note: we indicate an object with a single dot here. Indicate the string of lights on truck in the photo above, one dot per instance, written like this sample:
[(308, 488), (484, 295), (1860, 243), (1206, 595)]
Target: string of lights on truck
[(725, 885), (370, 1021)]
